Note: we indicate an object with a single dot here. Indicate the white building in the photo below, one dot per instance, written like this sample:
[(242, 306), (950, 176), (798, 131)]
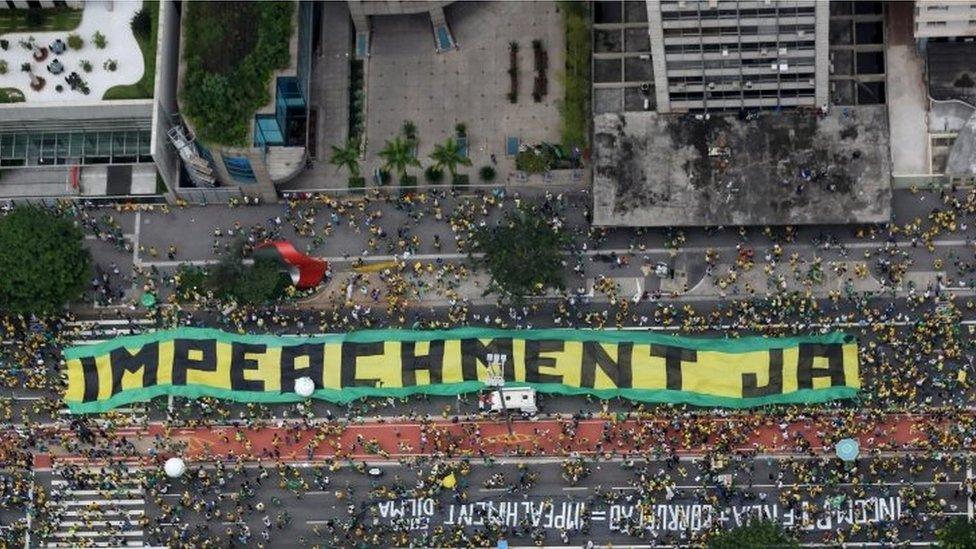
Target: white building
[(729, 55), (944, 19)]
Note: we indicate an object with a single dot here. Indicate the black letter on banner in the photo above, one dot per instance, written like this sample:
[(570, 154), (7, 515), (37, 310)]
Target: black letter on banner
[(182, 361), (432, 362), (316, 361), (673, 357), (90, 372), (474, 351), (750, 382), (534, 348), (239, 363), (350, 352), (805, 372), (122, 361), (619, 372)]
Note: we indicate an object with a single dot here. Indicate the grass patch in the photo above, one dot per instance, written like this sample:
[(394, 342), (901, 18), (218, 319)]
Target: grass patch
[(574, 108), (11, 95), (142, 89), (53, 19), (231, 51)]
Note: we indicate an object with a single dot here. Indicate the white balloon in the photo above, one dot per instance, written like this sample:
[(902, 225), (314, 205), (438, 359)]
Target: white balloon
[(174, 467), (304, 386)]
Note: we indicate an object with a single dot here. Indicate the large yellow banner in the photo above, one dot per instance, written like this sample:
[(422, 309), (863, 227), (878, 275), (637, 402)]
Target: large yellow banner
[(637, 365)]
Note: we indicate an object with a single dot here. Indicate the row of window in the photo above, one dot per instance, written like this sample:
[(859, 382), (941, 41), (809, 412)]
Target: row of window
[(743, 94), (740, 47), (732, 63), (729, 78), (736, 30), (734, 14)]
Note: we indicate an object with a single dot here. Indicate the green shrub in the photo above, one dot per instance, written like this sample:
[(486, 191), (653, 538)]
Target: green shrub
[(460, 180), (357, 184), (534, 159), (408, 183), (35, 18), (384, 177), (75, 42), (574, 108), (487, 173), (99, 40), (3, 67), (409, 130), (434, 174), (85, 65), (141, 24)]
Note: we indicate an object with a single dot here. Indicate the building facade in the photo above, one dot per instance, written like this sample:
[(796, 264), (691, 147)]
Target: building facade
[(944, 19), (730, 55)]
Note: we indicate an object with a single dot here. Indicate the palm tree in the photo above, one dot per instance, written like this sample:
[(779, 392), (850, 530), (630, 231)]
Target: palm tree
[(449, 156), (347, 157), (398, 156)]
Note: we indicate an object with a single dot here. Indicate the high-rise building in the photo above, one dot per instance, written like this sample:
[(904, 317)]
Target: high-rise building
[(731, 54), (944, 19)]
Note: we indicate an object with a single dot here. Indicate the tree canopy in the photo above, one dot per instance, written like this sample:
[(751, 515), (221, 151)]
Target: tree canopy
[(43, 264), (754, 535), (347, 156), (959, 533), (398, 155), (523, 254), (449, 156)]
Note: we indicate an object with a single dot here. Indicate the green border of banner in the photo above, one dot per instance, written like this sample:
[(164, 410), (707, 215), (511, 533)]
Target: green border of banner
[(346, 395)]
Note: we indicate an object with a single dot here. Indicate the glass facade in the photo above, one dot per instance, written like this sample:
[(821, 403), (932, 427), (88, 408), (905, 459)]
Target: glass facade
[(239, 168), (74, 147), (286, 127)]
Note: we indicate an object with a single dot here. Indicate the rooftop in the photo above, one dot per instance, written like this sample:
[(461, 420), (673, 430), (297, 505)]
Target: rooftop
[(782, 168), (952, 74), (121, 51)]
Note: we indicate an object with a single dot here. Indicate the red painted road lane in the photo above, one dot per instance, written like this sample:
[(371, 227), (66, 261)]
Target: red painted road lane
[(393, 440)]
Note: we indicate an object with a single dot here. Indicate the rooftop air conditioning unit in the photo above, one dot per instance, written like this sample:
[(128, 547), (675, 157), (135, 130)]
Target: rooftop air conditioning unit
[(801, 33), (725, 52), (783, 67), (764, 51), (749, 85), (711, 85), (772, 66), (782, 51)]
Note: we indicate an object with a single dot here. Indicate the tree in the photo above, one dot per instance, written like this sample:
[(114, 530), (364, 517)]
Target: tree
[(959, 533), (260, 284), (449, 156), (523, 254), (754, 535), (43, 263), (141, 24), (398, 155), (347, 157), (230, 278)]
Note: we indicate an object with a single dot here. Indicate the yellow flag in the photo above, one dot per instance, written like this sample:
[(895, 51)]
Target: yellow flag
[(961, 376), (450, 481)]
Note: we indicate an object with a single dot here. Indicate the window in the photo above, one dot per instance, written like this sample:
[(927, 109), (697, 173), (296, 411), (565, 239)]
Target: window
[(936, 23), (239, 168)]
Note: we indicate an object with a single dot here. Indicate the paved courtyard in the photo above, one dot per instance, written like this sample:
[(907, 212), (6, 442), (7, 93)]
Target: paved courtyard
[(112, 20), (408, 80)]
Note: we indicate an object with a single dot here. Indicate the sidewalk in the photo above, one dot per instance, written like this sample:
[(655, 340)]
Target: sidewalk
[(545, 438)]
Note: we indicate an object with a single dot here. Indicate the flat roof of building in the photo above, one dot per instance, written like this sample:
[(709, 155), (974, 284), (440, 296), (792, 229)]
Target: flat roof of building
[(793, 167), (952, 74)]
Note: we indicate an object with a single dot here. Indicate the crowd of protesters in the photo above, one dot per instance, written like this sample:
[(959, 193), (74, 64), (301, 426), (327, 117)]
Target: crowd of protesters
[(915, 356)]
